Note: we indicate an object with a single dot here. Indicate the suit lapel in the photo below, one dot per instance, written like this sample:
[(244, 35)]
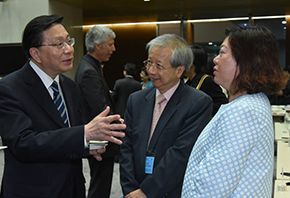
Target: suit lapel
[(148, 110), (40, 93), (109, 96), (100, 73), (167, 113)]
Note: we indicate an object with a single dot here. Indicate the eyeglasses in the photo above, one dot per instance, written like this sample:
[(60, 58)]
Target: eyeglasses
[(61, 44), (148, 64)]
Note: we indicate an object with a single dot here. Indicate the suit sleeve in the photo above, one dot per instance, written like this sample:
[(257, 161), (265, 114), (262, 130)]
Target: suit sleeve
[(27, 144), (92, 87), (127, 170), (169, 172), (115, 92)]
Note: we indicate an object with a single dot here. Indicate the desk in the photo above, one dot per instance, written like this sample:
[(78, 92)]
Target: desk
[(278, 112), (281, 132), (283, 153), (281, 194)]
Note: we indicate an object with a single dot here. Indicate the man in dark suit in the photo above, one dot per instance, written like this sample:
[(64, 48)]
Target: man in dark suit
[(124, 87), (43, 158), (95, 97), (153, 157)]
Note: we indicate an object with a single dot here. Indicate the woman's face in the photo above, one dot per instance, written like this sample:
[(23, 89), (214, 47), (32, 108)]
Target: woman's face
[(143, 76), (225, 69)]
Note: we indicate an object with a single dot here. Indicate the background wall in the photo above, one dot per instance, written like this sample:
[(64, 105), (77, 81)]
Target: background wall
[(14, 15), (215, 32)]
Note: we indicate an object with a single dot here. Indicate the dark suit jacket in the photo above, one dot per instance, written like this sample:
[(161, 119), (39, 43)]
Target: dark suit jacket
[(210, 88), (184, 117), (43, 158), (122, 89), (95, 94)]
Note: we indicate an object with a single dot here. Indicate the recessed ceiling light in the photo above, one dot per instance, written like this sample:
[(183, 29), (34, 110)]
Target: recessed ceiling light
[(146, 0), (284, 22)]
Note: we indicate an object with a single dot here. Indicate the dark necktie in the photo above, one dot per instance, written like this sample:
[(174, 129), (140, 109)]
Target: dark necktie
[(59, 102)]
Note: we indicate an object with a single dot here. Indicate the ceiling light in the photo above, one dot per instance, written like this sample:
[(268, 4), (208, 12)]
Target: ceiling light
[(190, 21), (271, 17), (139, 23), (210, 43), (284, 22), (217, 20), (146, 0)]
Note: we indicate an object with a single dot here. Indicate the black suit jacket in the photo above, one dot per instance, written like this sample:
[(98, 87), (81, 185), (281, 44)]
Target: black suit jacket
[(185, 115), (95, 94), (210, 88), (43, 158), (122, 89)]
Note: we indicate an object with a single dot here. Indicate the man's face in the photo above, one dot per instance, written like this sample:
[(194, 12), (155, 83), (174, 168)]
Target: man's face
[(160, 71), (50, 59), (105, 50)]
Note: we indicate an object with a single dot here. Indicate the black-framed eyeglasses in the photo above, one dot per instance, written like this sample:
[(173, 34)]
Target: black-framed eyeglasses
[(148, 64), (61, 44)]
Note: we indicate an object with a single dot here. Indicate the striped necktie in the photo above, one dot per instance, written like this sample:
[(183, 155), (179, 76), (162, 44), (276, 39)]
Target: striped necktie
[(59, 103)]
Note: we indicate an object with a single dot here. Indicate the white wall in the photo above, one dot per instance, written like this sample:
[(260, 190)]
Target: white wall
[(14, 15)]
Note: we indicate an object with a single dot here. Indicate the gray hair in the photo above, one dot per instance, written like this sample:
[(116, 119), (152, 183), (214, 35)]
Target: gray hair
[(181, 55), (99, 35)]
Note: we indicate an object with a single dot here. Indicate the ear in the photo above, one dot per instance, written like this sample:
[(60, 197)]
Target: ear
[(97, 46), (179, 71), (34, 53)]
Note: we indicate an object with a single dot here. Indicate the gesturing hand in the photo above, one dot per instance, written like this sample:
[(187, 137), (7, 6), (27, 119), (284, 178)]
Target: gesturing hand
[(100, 128)]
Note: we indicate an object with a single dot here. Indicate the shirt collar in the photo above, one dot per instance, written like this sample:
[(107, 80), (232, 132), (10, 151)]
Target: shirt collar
[(95, 60), (168, 94), (46, 79)]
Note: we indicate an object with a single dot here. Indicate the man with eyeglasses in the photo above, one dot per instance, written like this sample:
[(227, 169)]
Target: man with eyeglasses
[(95, 97), (40, 119), (163, 123)]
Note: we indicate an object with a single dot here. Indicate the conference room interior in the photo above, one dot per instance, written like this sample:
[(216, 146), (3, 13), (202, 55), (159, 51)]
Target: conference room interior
[(135, 23)]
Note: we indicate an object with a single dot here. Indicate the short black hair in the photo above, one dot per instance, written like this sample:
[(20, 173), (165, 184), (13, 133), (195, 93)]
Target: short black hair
[(287, 68), (200, 57), (144, 70), (32, 34), (130, 68)]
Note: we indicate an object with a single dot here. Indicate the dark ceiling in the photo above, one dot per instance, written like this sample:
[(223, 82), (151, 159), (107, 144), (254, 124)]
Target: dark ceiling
[(117, 11)]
